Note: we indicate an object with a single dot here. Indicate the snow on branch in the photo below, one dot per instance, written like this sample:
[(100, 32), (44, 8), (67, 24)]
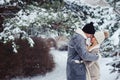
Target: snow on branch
[(10, 33)]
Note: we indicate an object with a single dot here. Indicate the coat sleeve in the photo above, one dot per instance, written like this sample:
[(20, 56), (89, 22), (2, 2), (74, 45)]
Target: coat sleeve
[(80, 47), (94, 51)]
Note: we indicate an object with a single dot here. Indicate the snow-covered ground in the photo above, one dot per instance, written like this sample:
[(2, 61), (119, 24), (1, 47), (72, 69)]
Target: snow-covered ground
[(105, 69), (59, 72)]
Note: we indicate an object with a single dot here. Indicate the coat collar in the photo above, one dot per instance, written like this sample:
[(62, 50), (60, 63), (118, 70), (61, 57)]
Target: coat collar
[(97, 46), (79, 31)]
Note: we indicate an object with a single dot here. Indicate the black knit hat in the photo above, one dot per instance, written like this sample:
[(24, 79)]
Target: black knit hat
[(89, 28)]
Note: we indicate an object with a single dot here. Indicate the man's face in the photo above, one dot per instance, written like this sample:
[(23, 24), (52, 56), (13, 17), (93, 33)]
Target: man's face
[(89, 35)]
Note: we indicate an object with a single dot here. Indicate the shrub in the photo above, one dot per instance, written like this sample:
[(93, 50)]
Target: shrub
[(29, 61)]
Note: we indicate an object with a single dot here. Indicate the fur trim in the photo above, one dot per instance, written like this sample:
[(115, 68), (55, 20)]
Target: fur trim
[(88, 77), (79, 31), (97, 46), (100, 36)]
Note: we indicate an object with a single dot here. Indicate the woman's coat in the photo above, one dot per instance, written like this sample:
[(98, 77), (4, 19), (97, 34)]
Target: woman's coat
[(93, 70)]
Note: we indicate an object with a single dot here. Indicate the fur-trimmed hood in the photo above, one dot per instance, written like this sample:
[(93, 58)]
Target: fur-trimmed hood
[(79, 31)]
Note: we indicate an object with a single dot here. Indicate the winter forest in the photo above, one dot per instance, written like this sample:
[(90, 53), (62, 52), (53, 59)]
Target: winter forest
[(34, 36)]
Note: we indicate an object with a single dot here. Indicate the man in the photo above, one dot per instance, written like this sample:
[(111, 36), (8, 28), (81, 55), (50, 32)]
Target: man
[(77, 52)]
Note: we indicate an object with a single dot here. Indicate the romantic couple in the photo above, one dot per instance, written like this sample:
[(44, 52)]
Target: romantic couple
[(82, 57)]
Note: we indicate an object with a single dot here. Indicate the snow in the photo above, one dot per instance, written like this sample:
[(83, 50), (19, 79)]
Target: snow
[(72, 0), (102, 3), (93, 3), (105, 69), (14, 47), (38, 15), (16, 30), (11, 37), (25, 19), (59, 72), (31, 42), (115, 37), (3, 1)]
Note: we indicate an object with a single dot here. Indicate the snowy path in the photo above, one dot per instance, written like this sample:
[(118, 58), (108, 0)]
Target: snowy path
[(59, 72)]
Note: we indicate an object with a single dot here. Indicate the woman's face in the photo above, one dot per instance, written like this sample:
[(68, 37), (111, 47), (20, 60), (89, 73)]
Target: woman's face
[(93, 40)]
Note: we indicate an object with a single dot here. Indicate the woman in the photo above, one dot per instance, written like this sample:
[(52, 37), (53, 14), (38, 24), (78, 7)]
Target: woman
[(93, 70)]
